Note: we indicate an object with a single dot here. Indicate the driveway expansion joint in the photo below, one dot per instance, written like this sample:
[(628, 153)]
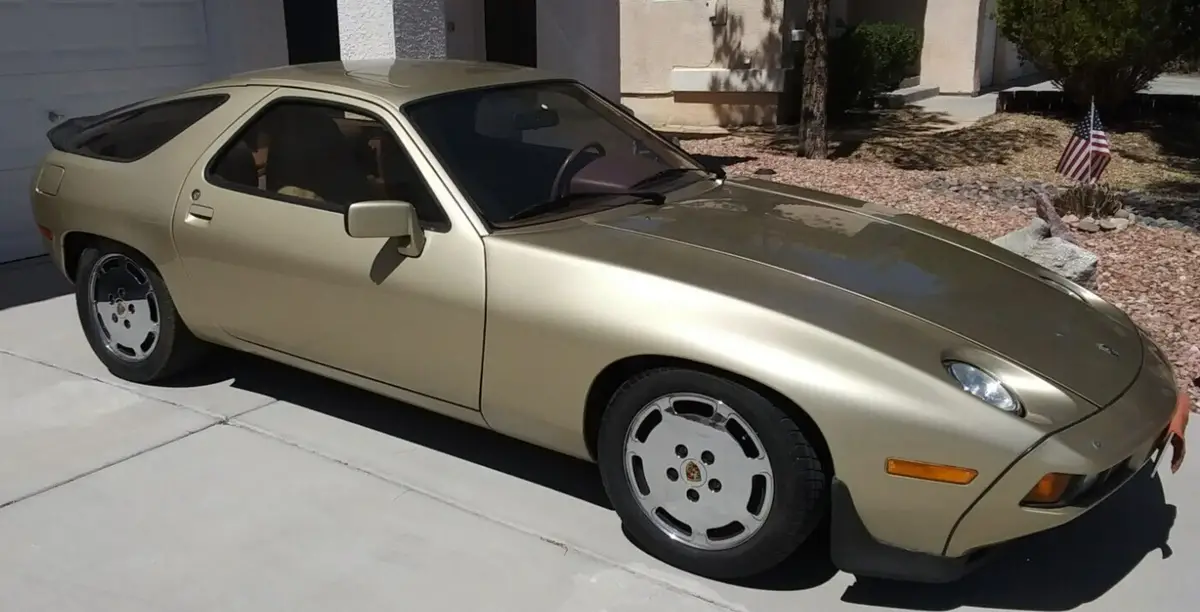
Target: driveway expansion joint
[(566, 547), (220, 418), (232, 420), (107, 465)]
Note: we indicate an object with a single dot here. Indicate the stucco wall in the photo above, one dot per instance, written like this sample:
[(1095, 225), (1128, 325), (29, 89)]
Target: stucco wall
[(694, 62), (365, 29), (420, 27), (659, 35), (371, 29), (950, 55), (582, 40), (576, 38)]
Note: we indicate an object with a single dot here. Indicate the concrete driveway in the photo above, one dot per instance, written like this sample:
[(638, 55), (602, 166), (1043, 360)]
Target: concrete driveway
[(255, 487)]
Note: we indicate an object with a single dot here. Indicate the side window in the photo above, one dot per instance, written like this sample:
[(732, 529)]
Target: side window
[(322, 155), (132, 135)]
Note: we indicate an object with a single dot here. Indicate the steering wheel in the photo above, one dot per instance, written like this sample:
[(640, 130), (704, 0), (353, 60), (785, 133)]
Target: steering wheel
[(557, 188)]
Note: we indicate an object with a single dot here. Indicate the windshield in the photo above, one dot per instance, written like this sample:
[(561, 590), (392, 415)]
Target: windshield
[(511, 149)]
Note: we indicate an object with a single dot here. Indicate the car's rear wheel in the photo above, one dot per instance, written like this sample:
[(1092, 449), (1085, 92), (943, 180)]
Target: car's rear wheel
[(128, 316), (707, 474)]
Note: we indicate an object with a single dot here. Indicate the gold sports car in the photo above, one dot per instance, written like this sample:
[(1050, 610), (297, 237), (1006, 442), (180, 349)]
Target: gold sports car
[(746, 361)]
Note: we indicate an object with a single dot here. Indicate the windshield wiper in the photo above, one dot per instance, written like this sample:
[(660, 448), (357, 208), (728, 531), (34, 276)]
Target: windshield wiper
[(670, 173), (566, 200)]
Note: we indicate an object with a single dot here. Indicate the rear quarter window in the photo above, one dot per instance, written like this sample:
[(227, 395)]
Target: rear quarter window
[(134, 134)]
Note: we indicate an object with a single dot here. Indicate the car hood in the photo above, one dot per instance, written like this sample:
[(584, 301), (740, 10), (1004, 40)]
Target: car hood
[(944, 277)]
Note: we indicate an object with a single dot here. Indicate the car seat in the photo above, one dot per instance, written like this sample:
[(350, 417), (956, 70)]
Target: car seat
[(310, 154)]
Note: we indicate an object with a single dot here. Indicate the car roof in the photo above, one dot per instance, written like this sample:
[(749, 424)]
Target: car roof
[(397, 80)]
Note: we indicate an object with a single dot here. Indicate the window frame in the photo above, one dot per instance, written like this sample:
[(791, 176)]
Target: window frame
[(488, 225), (245, 124), (121, 114)]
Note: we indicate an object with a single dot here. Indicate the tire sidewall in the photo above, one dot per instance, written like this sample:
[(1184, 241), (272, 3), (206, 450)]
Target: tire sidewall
[(774, 429), (139, 371)]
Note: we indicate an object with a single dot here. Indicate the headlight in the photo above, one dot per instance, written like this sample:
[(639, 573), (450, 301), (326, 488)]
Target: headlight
[(984, 386)]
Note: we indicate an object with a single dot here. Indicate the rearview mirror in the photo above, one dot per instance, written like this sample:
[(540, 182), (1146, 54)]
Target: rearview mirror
[(387, 219), (539, 119)]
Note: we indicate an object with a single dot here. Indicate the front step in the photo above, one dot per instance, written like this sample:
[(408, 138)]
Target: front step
[(907, 95)]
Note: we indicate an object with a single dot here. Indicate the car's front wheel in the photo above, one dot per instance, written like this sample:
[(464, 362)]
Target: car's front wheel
[(128, 315), (707, 474)]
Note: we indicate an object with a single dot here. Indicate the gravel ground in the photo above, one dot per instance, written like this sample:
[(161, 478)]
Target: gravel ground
[(1152, 273)]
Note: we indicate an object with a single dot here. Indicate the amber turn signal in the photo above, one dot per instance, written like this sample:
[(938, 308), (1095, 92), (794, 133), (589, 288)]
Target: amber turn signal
[(931, 471), (1049, 489)]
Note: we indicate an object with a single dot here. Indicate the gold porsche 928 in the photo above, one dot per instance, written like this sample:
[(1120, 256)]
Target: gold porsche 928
[(741, 358)]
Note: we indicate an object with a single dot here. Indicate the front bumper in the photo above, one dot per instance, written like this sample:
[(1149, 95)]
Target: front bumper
[(855, 551), (1112, 444)]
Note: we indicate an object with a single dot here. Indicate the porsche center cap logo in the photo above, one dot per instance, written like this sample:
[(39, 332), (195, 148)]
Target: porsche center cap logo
[(691, 471)]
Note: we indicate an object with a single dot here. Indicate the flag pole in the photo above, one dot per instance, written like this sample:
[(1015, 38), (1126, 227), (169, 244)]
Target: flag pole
[(1091, 131)]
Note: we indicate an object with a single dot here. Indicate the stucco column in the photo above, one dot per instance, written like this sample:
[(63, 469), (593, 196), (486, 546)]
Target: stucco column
[(373, 29), (582, 39), (949, 56)]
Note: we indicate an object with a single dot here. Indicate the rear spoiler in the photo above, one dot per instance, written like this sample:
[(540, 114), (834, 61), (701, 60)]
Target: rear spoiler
[(62, 136)]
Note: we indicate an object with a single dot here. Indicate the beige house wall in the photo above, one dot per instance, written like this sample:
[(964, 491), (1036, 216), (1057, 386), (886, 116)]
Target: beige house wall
[(950, 55), (962, 50), (723, 62), (702, 62)]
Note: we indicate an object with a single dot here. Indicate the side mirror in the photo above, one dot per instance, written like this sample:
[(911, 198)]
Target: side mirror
[(387, 219)]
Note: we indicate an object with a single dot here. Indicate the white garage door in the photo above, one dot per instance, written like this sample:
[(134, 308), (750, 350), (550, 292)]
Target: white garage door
[(64, 58)]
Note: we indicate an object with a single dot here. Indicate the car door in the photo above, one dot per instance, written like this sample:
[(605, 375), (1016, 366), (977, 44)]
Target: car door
[(260, 230)]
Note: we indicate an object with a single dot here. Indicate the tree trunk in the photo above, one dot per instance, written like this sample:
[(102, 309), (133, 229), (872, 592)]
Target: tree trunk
[(813, 141)]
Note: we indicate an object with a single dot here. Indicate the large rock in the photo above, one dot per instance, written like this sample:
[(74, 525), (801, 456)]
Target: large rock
[(1023, 240), (1034, 243), (1070, 260)]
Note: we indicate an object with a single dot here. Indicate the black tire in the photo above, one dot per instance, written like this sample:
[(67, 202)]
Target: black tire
[(176, 348), (800, 481)]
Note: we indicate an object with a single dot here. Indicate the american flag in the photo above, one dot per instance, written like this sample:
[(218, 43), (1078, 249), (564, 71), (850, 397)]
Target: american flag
[(1087, 153)]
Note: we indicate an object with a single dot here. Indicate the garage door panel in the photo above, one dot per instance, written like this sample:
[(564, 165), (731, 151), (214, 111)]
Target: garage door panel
[(18, 125), (24, 120), (18, 234), (38, 36), (74, 25), (83, 61), (65, 58), (170, 24)]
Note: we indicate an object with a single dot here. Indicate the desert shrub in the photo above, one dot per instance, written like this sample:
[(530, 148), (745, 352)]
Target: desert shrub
[(1088, 201), (1110, 49), (867, 59), (1183, 65)]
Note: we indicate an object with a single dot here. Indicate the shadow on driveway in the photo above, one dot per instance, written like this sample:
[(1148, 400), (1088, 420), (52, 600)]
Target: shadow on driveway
[(30, 280), (1057, 570)]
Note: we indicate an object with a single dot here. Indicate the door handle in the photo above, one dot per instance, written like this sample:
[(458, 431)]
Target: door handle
[(200, 212)]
